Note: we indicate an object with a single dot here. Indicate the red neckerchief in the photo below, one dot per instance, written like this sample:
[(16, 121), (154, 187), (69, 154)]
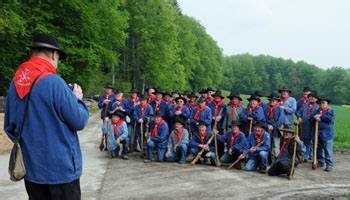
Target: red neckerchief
[(143, 108), (270, 110), (203, 136), (134, 100), (233, 109), (179, 108), (283, 148), (217, 104), (116, 126), (304, 100), (323, 110), (209, 99), (199, 110), (310, 107), (150, 98), (178, 135), (192, 104), (157, 106), (167, 101), (251, 108), (233, 135), (155, 129), (258, 137), (283, 99), (28, 71)]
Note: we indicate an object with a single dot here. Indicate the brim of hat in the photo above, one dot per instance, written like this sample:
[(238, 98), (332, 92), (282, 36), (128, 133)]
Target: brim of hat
[(273, 98), (222, 97), (178, 98), (287, 130), (279, 91), (230, 97), (249, 99), (61, 53)]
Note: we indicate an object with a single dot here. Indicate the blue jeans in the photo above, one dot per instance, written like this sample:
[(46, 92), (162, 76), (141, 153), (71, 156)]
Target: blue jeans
[(309, 148), (160, 151), (180, 154), (114, 147), (260, 161), (227, 158), (325, 152), (276, 146), (125, 144)]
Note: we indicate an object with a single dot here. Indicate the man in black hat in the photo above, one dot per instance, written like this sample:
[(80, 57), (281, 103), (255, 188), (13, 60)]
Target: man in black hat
[(326, 117), (50, 145), (282, 164), (210, 93), (274, 119), (178, 141), (304, 99), (119, 103), (253, 113), (157, 139), (118, 135), (233, 109), (130, 105), (143, 115), (288, 104), (235, 141), (151, 91), (218, 111), (261, 103), (203, 93), (258, 156), (192, 102), (159, 105), (180, 109), (201, 113), (305, 119)]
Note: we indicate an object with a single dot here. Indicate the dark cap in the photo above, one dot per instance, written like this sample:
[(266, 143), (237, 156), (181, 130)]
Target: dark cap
[(46, 41), (119, 113), (285, 88), (234, 94), (254, 97), (158, 114), (273, 96), (201, 100)]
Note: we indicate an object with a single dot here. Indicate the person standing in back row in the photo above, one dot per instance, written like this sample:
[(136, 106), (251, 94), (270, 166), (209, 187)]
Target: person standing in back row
[(49, 139)]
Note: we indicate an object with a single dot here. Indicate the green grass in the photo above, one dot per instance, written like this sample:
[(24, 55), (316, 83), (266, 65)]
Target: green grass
[(341, 126)]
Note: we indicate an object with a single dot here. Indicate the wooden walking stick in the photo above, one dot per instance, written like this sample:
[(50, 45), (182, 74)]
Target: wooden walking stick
[(141, 135), (102, 145), (201, 151), (217, 159), (250, 126), (245, 153), (133, 137), (314, 161), (292, 169)]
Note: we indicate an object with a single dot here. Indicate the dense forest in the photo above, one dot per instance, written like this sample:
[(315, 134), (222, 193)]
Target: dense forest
[(145, 43)]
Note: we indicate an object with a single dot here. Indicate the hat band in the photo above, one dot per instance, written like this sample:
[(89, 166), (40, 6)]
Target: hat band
[(44, 45)]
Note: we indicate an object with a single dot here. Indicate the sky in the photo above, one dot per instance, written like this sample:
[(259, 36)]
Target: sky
[(315, 31)]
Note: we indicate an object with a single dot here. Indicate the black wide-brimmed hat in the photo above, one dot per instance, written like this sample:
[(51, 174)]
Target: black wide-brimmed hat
[(158, 114), (109, 86), (286, 129), (257, 93), (158, 92), (201, 100), (143, 97), (201, 123), (306, 89), (166, 94), (324, 99), (285, 88), (203, 91), (155, 89), (175, 92), (181, 119), (273, 96), (209, 89), (218, 94), (46, 41), (118, 91), (192, 95), (182, 98), (234, 94), (235, 123), (133, 90), (259, 124), (119, 113), (254, 97), (313, 94)]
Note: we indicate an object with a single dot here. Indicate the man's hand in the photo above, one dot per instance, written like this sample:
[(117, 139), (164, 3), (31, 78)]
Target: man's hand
[(250, 118), (230, 151), (204, 146), (215, 132), (241, 156), (300, 120), (106, 101), (117, 142), (140, 120), (178, 112), (167, 153), (253, 149), (297, 138), (218, 118), (270, 127), (318, 117), (282, 107), (77, 91), (105, 119)]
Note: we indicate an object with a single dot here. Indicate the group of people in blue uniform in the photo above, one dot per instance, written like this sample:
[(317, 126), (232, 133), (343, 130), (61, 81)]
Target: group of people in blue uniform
[(176, 127)]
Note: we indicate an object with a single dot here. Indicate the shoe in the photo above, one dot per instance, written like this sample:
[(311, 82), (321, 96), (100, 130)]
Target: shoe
[(328, 169), (182, 162), (262, 171), (320, 164), (114, 154), (147, 161), (238, 166), (125, 157)]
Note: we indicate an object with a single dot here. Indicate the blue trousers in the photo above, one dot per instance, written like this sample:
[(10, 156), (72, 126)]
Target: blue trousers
[(160, 151), (259, 161), (308, 142), (227, 158), (179, 154), (325, 152)]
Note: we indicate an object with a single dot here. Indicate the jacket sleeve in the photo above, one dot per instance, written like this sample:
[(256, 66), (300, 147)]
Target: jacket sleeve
[(266, 145), (291, 107), (194, 143), (259, 115), (100, 101), (244, 116), (240, 144), (280, 119), (162, 136), (186, 112), (124, 132), (208, 117), (185, 137), (171, 141), (328, 117)]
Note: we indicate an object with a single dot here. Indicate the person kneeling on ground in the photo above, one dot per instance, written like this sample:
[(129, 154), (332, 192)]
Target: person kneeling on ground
[(158, 138), (117, 134), (257, 156), (235, 141), (178, 142), (199, 141), (282, 164)]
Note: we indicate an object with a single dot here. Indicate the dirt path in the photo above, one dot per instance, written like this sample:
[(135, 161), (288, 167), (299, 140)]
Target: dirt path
[(119, 179)]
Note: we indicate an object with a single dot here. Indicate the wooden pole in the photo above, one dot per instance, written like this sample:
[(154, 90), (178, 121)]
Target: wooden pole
[(314, 161), (141, 135), (292, 169)]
